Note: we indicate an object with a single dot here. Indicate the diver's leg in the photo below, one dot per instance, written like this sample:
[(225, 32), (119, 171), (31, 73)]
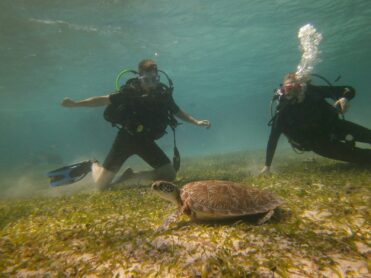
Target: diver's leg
[(101, 176), (341, 151), (165, 172), (151, 153), (156, 158), (361, 134), (121, 150)]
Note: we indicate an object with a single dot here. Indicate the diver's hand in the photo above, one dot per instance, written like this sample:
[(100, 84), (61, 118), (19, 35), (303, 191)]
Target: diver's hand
[(265, 170), (342, 105), (204, 123), (67, 102)]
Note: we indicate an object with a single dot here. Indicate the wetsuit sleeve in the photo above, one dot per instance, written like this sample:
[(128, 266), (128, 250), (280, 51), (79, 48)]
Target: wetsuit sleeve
[(334, 92), (272, 143)]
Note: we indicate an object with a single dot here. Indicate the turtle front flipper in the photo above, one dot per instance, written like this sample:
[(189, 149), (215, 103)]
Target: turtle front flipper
[(170, 219), (266, 217)]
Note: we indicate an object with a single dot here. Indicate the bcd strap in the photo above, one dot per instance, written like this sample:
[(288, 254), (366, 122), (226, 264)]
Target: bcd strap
[(176, 157)]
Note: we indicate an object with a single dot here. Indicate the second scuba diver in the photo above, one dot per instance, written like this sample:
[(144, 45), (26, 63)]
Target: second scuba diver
[(147, 108), (311, 124)]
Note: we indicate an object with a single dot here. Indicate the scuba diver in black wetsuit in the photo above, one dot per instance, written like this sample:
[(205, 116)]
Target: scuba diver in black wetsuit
[(144, 104), (312, 124)]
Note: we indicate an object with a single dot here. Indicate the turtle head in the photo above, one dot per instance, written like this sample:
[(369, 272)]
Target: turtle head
[(168, 191)]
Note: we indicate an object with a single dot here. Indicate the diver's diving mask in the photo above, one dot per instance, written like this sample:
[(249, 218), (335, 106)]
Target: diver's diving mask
[(150, 77)]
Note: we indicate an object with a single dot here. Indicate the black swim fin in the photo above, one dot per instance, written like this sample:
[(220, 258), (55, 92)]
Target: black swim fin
[(69, 174)]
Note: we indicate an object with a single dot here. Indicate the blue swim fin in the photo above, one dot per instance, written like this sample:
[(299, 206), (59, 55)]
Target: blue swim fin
[(69, 174)]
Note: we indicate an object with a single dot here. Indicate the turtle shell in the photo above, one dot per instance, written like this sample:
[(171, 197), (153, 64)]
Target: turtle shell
[(217, 199)]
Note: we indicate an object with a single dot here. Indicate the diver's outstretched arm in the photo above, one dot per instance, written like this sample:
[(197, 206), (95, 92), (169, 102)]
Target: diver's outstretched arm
[(89, 102), (271, 148), (188, 118)]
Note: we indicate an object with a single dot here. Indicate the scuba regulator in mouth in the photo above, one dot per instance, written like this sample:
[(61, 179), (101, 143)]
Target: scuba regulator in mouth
[(149, 77)]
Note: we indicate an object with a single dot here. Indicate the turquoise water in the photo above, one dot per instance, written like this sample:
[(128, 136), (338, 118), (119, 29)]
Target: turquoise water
[(225, 58)]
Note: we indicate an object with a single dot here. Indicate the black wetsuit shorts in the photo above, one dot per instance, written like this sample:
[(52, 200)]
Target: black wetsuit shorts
[(126, 145)]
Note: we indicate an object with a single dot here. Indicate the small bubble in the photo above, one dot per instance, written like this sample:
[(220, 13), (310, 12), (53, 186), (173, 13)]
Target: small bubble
[(156, 54)]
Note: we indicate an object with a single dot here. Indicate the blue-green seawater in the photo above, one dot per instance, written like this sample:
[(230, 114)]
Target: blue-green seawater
[(225, 58)]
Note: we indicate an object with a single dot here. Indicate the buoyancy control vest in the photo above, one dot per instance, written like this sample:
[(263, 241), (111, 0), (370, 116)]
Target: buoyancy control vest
[(123, 114), (142, 114)]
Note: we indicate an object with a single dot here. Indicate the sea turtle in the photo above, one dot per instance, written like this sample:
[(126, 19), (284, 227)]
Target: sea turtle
[(216, 200)]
